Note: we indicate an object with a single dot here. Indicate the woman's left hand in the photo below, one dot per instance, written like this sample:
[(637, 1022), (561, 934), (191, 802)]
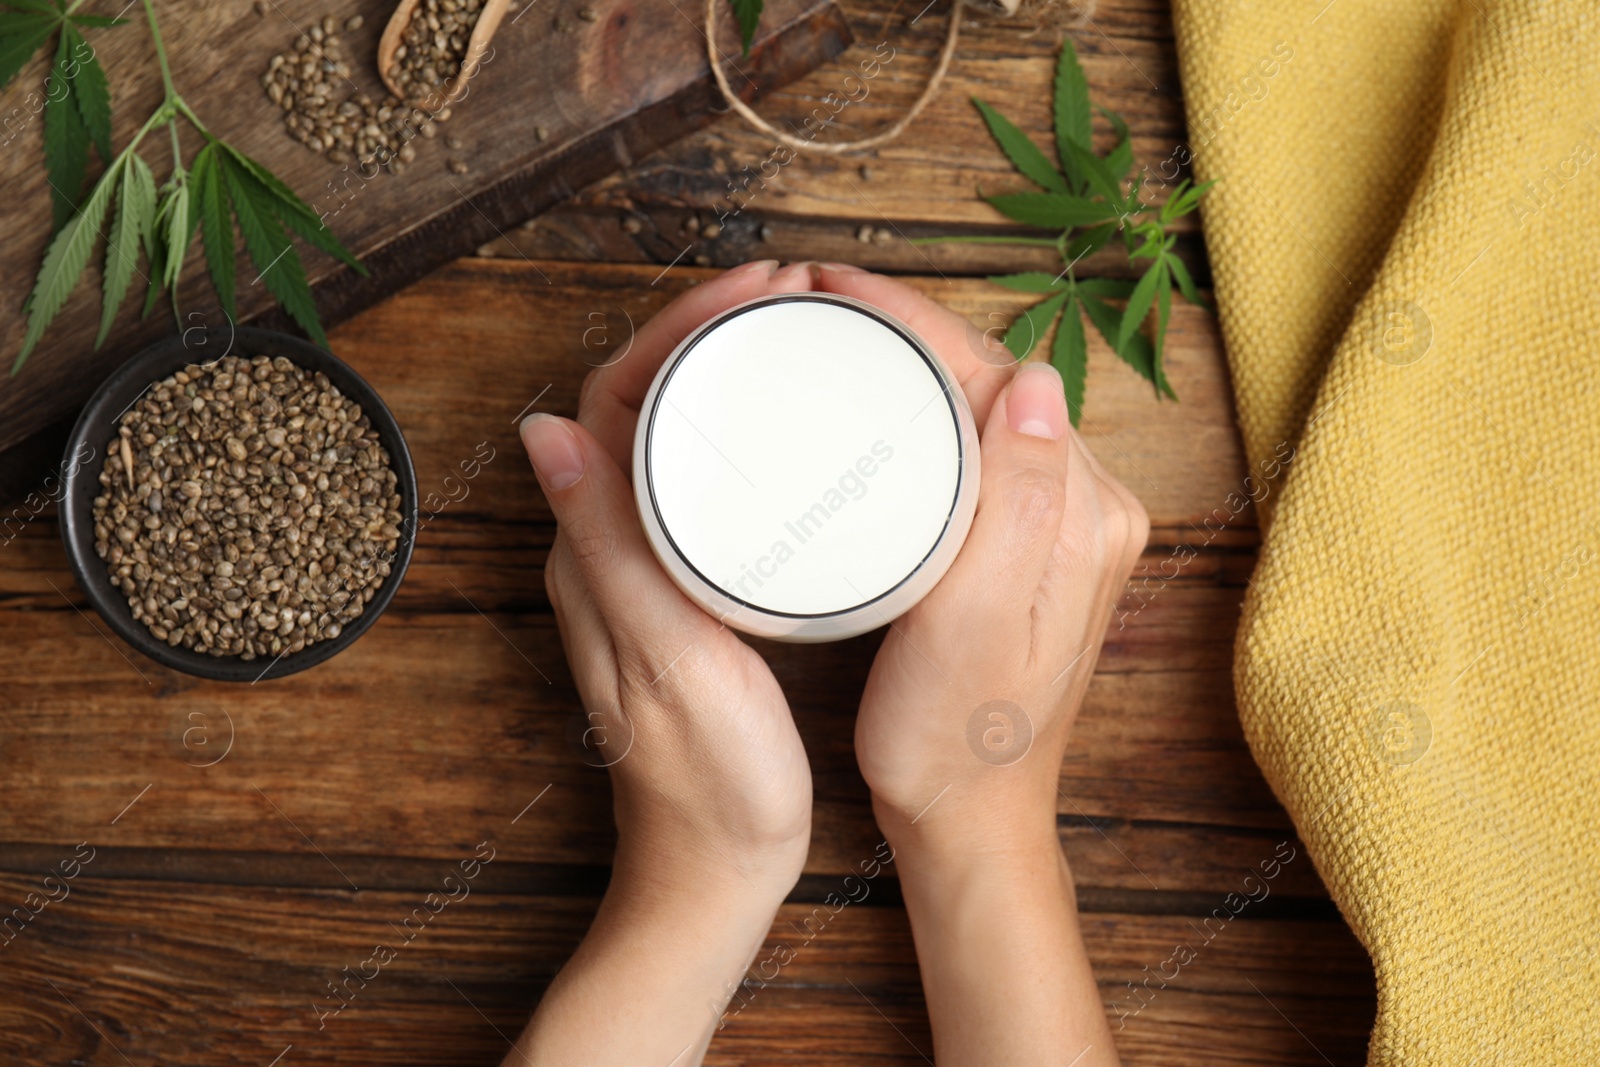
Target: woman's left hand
[(712, 792)]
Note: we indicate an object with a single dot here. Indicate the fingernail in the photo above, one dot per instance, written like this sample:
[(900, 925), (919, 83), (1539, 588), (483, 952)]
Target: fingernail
[(753, 267), (1036, 404), (557, 459), (805, 266), (842, 268)]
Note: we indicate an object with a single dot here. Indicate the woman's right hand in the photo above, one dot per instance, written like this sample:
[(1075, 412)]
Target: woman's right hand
[(970, 703), (973, 693)]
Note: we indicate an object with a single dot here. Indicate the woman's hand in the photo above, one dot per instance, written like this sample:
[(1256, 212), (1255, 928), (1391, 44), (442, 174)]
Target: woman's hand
[(969, 705), (975, 689), (703, 750), (712, 789)]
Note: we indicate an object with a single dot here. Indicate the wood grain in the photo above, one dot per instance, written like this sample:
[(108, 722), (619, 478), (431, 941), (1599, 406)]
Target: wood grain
[(555, 109), (330, 784), (94, 977), (1158, 740), (440, 727), (924, 185), (221, 897), (468, 727)]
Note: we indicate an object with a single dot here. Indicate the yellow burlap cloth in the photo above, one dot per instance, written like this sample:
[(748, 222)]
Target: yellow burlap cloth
[(1406, 248)]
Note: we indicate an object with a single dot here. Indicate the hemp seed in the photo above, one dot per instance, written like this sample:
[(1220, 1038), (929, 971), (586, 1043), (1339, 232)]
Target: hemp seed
[(249, 509)]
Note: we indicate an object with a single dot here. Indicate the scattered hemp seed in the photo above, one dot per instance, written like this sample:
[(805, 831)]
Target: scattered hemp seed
[(631, 225), (864, 235), (250, 510), (456, 166), (308, 83), (304, 81)]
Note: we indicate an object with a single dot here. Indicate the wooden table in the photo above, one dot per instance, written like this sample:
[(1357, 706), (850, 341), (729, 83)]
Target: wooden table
[(251, 843)]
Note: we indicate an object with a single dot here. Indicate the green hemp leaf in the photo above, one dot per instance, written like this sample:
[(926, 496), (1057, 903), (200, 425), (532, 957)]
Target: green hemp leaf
[(1089, 199), (222, 188)]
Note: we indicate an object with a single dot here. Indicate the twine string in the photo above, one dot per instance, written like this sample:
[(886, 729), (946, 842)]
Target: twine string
[(894, 129)]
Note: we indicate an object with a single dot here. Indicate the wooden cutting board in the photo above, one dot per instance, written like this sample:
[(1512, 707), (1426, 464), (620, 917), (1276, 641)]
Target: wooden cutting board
[(603, 87)]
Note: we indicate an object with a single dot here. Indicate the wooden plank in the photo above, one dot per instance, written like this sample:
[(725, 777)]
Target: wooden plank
[(931, 173), (1182, 459), (600, 232), (1158, 742), (922, 185), (1158, 788), (1111, 868), (181, 973), (603, 93)]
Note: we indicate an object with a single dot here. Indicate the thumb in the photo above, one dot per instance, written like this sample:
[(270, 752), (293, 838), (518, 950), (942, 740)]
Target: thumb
[(594, 507), (1026, 452)]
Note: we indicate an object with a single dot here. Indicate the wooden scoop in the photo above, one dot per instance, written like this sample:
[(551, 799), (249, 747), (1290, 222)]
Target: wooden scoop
[(454, 88)]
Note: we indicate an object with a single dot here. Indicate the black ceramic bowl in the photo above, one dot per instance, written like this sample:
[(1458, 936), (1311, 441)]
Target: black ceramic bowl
[(97, 427)]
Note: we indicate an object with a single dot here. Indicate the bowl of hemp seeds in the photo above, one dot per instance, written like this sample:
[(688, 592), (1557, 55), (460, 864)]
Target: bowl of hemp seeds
[(251, 508)]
